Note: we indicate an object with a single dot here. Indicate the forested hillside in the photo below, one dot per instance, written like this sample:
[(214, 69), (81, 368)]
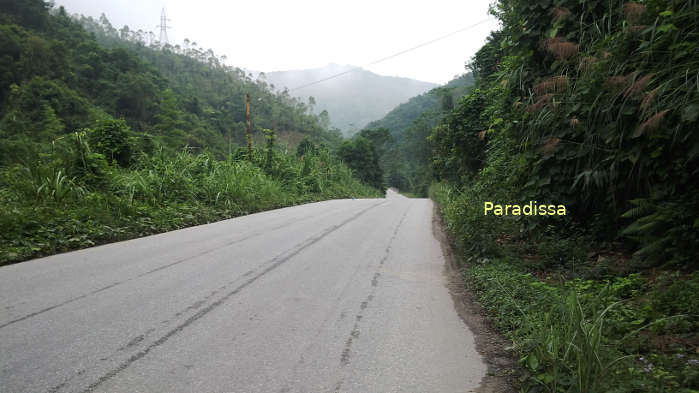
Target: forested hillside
[(351, 100), (592, 105), (404, 155), (179, 96), (104, 138), (439, 99)]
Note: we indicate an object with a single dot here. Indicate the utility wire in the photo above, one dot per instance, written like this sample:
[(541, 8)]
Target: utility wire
[(393, 55)]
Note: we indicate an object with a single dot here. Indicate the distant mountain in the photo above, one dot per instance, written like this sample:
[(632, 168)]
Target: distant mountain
[(402, 116), (407, 156), (352, 100)]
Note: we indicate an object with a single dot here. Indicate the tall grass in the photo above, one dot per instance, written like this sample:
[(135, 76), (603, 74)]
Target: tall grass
[(575, 335), (71, 198)]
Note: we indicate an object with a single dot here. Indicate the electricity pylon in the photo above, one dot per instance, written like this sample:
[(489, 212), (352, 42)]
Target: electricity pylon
[(163, 28)]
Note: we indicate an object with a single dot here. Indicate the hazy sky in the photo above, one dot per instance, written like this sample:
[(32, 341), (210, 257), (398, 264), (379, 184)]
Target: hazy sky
[(276, 35)]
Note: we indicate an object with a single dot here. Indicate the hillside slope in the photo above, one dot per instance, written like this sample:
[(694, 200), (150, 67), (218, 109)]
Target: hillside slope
[(402, 116), (353, 99), (103, 138), (591, 107), (58, 78), (405, 154)]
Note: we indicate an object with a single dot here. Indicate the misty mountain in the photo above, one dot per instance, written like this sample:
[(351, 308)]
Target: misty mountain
[(406, 156), (352, 100), (438, 99)]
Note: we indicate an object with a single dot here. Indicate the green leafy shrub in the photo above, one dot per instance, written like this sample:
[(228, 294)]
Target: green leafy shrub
[(111, 138)]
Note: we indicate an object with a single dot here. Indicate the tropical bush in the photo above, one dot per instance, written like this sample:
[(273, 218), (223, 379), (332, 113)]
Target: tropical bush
[(593, 105)]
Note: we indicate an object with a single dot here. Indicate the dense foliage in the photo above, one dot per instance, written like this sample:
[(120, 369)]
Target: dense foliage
[(76, 197), (591, 116), (594, 105), (104, 138), (56, 77), (402, 116), (406, 157), (362, 153)]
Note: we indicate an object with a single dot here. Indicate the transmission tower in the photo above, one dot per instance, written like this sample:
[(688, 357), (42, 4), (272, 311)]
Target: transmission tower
[(163, 28)]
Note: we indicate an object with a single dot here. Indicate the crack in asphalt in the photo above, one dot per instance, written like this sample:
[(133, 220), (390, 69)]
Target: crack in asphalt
[(163, 267), (272, 264), (59, 304), (346, 354)]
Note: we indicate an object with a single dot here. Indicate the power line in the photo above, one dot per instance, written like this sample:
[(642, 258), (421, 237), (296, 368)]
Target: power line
[(393, 55)]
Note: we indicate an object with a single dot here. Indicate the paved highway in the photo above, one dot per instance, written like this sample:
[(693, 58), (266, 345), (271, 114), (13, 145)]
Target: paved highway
[(336, 296)]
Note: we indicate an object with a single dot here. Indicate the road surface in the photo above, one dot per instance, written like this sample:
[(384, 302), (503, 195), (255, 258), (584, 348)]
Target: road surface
[(336, 296)]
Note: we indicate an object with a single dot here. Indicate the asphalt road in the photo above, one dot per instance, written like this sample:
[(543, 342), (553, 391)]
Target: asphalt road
[(336, 296)]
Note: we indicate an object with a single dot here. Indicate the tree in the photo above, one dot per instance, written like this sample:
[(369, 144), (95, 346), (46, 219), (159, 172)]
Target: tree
[(311, 104), (26, 12), (379, 137), (324, 119), (459, 140), (360, 155)]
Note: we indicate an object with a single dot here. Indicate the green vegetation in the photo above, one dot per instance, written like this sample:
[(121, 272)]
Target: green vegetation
[(582, 317), (589, 336), (592, 105), (104, 138), (362, 152), (440, 98), (57, 78), (74, 198), (405, 157)]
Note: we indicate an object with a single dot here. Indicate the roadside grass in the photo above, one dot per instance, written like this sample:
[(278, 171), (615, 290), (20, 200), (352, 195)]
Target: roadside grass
[(582, 320), (70, 199)]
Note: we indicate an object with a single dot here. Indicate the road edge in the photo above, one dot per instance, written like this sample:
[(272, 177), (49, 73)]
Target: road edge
[(491, 345), (187, 226)]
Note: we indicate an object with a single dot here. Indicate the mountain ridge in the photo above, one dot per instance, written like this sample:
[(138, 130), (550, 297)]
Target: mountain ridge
[(353, 99), (398, 119)]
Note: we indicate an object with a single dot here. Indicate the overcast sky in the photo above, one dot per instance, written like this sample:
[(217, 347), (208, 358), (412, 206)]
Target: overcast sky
[(277, 35)]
